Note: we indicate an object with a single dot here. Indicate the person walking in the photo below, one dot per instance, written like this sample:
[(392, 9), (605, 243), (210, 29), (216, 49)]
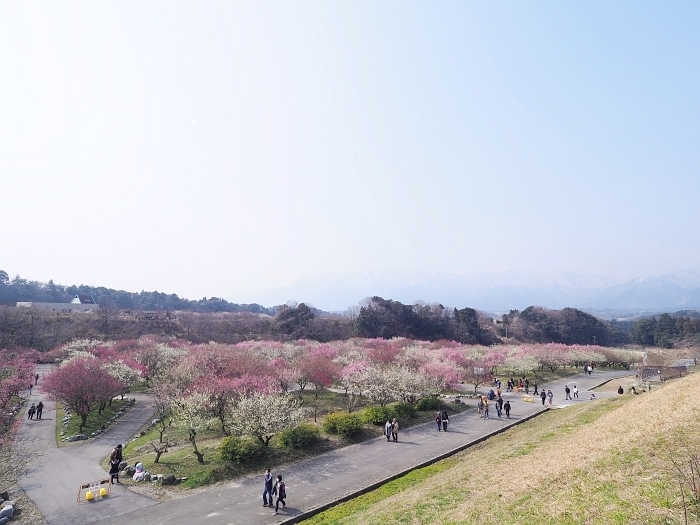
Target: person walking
[(267, 488), (506, 407), (543, 395), (527, 386), (575, 392), (567, 391), (445, 420), (550, 395), (499, 406), (36, 379), (395, 430), (31, 411), (29, 388), (438, 419), (480, 406), (281, 491), (486, 409), (388, 430), (534, 393), (39, 410)]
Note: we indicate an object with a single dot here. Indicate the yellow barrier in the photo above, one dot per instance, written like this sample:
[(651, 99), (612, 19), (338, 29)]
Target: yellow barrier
[(95, 489), (528, 399)]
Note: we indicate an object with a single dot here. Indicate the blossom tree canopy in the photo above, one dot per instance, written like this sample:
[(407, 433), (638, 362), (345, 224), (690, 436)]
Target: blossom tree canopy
[(264, 415), (82, 384)]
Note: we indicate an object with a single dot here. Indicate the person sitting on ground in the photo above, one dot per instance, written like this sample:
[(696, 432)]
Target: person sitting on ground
[(634, 391), (620, 390), (592, 395), (139, 475)]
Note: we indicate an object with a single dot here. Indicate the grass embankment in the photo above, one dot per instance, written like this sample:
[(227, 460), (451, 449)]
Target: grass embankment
[(180, 460), (603, 462), (94, 421)]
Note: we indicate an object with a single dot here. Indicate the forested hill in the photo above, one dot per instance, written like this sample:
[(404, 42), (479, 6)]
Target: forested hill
[(18, 289)]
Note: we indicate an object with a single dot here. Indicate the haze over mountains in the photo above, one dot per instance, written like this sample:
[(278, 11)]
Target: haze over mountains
[(615, 295)]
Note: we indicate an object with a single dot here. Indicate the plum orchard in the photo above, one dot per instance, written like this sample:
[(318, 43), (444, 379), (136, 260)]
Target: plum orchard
[(255, 388)]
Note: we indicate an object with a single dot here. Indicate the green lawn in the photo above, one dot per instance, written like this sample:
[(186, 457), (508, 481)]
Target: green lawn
[(94, 422)]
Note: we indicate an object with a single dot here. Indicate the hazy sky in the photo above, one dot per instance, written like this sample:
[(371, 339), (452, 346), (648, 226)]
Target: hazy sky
[(218, 148)]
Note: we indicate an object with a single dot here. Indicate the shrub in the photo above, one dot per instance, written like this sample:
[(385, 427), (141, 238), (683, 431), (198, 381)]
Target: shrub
[(377, 415), (342, 423), (300, 436), (404, 410), (197, 479), (240, 450), (429, 403)]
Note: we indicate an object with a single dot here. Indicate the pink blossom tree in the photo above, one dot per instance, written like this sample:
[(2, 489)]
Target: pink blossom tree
[(83, 385)]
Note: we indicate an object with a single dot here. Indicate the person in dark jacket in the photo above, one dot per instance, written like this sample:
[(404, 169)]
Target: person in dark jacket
[(267, 488), (543, 395), (445, 420), (281, 490), (506, 407)]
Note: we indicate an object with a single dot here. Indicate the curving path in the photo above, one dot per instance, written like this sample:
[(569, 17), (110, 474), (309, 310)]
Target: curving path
[(54, 480)]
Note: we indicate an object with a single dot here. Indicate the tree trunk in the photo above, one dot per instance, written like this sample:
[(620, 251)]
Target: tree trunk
[(200, 456), (83, 421)]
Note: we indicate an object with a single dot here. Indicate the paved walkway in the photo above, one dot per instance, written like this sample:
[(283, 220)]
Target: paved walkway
[(53, 481)]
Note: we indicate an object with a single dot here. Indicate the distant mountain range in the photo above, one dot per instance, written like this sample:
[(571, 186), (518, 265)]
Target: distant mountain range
[(605, 296)]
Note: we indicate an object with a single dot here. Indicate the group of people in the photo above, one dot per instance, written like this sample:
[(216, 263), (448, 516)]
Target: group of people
[(391, 430), (115, 458), (546, 395), (273, 488), (483, 406), (35, 409), (520, 385), (442, 419), (568, 391)]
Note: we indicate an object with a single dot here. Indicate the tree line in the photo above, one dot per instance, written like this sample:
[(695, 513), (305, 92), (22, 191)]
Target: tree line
[(21, 290), (667, 330)]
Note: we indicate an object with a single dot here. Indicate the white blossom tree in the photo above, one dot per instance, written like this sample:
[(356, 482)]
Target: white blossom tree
[(264, 415), (123, 373), (192, 414)]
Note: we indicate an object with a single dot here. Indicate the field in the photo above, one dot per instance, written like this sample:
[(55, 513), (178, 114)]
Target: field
[(604, 462)]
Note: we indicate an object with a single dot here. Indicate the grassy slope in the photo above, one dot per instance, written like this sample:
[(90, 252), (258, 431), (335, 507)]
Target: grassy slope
[(605, 462)]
